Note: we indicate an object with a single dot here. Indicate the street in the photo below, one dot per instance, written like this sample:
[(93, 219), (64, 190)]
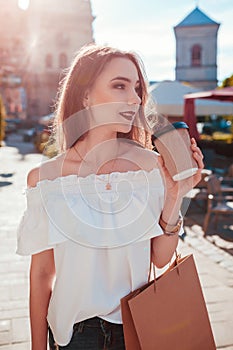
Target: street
[(215, 265)]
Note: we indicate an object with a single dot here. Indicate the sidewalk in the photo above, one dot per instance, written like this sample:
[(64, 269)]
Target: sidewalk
[(215, 266)]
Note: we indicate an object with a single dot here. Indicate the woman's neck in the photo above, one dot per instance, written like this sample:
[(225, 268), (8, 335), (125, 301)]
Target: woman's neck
[(98, 136), (98, 147)]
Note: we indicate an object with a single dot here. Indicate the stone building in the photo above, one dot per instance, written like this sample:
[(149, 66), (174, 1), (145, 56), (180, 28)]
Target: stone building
[(36, 45), (196, 50)]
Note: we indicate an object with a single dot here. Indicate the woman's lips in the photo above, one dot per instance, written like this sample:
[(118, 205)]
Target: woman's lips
[(128, 115)]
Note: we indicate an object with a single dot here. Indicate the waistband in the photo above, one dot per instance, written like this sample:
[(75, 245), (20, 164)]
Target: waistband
[(95, 322), (107, 328)]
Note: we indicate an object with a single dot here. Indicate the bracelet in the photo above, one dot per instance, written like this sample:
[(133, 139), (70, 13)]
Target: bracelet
[(171, 229)]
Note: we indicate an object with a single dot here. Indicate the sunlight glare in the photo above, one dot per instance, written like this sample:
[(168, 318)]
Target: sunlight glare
[(23, 4)]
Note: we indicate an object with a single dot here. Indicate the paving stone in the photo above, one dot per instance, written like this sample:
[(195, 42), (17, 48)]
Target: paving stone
[(19, 291), (5, 314), (5, 338), (4, 293), (220, 311), (223, 333), (5, 325), (20, 346), (20, 330), (208, 281)]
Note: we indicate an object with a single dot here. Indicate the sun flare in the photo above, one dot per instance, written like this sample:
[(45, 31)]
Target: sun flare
[(23, 4)]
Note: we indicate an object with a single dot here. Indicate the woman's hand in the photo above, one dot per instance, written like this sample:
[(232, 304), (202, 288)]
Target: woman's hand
[(177, 189)]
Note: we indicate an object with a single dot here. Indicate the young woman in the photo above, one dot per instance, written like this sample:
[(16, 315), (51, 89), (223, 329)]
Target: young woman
[(99, 211)]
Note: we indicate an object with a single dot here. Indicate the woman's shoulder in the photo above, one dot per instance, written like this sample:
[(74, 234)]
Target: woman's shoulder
[(147, 159), (48, 170)]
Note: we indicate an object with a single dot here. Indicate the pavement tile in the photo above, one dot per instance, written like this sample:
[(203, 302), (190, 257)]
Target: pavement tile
[(5, 338), (20, 330), (219, 293), (223, 333), (4, 293), (5, 325), (20, 346), (219, 312)]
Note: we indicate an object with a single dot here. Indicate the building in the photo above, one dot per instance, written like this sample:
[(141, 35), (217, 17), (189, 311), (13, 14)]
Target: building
[(196, 50), (36, 46)]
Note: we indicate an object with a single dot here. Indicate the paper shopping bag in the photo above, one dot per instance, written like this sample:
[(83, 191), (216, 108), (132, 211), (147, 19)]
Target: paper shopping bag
[(169, 312)]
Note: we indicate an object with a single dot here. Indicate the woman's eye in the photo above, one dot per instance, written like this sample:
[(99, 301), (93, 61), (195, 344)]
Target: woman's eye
[(119, 86)]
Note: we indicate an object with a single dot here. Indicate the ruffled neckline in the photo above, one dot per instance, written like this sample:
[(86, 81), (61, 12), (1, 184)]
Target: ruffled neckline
[(113, 177)]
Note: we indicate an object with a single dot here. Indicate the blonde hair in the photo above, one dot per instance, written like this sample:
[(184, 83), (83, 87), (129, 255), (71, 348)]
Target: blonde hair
[(85, 68)]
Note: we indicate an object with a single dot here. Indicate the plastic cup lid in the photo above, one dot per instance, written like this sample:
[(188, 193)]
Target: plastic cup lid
[(171, 127), (180, 125)]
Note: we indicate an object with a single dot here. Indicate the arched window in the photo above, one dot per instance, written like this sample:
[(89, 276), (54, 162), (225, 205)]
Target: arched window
[(49, 61), (62, 60), (196, 55)]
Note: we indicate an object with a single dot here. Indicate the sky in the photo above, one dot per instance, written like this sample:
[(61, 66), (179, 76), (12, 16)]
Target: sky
[(146, 26)]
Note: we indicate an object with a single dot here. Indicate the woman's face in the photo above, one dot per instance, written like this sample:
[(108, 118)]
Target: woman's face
[(113, 99)]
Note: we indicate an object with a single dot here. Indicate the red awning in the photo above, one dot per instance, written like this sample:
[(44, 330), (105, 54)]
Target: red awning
[(224, 94), (190, 118)]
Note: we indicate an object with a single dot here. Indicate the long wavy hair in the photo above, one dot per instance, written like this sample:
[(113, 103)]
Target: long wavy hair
[(82, 74)]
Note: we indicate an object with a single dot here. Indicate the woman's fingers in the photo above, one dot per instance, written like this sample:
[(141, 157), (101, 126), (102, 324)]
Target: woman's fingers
[(197, 153), (199, 160)]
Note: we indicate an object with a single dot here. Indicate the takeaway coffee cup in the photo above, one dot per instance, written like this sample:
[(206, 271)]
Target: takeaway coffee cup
[(173, 143)]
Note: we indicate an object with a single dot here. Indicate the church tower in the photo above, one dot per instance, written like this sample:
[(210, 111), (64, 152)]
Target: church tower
[(196, 50)]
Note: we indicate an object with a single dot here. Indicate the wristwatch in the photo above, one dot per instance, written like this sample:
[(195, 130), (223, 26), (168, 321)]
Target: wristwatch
[(171, 229)]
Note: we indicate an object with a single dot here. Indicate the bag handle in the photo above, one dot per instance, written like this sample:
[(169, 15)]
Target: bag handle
[(152, 268)]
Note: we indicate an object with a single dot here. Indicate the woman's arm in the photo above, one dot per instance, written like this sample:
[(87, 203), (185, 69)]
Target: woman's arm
[(163, 247), (42, 274)]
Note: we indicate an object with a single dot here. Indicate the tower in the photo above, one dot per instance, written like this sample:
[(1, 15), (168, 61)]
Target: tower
[(196, 50)]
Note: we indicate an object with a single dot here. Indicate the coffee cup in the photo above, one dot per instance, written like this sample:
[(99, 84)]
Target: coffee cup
[(173, 143)]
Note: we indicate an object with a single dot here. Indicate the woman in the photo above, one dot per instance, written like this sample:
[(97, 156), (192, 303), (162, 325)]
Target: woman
[(101, 209)]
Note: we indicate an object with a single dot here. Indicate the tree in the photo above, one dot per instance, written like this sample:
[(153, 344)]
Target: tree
[(228, 81)]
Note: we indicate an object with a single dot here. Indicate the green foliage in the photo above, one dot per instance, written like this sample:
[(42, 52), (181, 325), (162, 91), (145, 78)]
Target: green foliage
[(228, 81)]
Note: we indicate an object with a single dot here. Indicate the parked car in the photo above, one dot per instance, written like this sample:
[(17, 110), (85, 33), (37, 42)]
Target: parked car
[(29, 135), (12, 125)]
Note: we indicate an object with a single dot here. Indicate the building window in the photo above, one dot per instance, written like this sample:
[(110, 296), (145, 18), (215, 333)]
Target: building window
[(49, 61), (196, 55), (62, 60)]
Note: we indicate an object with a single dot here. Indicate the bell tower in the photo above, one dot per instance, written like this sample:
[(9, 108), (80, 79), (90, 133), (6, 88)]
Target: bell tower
[(196, 50)]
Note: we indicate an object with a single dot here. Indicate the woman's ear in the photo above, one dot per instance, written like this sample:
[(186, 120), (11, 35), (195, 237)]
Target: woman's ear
[(86, 99)]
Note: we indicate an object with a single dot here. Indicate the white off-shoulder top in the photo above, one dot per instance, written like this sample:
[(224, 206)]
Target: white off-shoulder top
[(101, 241)]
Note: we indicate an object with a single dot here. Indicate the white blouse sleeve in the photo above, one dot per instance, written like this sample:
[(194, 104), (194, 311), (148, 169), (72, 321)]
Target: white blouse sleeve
[(35, 232), (81, 210)]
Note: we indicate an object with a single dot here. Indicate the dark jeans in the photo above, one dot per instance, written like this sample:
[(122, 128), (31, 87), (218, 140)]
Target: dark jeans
[(93, 334)]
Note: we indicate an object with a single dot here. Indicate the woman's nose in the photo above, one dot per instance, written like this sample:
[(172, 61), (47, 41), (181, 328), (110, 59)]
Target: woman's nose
[(134, 99)]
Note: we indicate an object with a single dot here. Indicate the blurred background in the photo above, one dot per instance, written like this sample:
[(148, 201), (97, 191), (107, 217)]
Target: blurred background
[(186, 48)]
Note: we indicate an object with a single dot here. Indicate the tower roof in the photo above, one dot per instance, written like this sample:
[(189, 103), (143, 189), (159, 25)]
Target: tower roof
[(196, 18)]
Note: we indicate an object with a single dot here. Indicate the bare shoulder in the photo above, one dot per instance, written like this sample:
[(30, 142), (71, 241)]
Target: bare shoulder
[(33, 177), (147, 159), (48, 170)]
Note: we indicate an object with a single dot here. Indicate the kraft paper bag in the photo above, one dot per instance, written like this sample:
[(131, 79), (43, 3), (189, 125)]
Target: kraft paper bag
[(169, 312)]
